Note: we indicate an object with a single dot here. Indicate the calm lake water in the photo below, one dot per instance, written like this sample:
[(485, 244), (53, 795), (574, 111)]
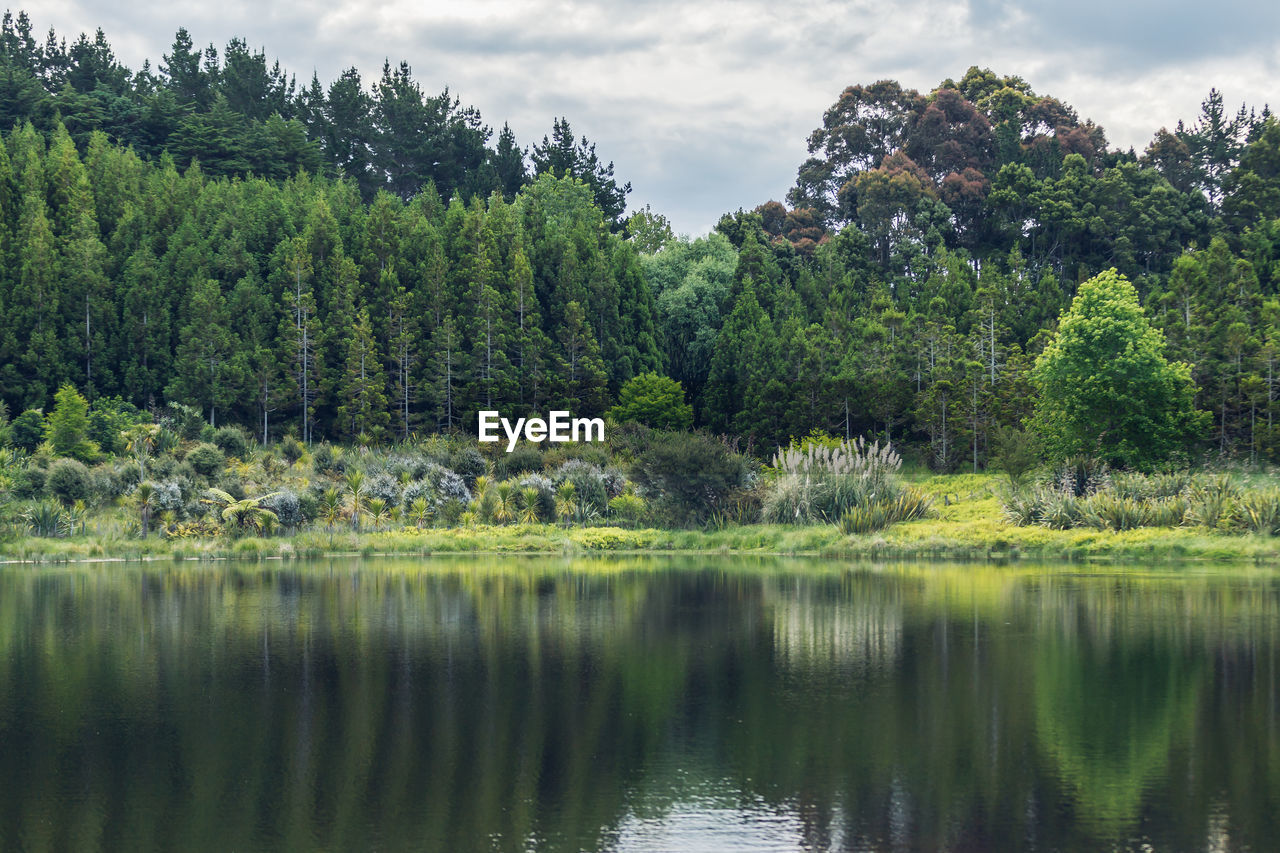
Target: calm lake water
[(685, 704)]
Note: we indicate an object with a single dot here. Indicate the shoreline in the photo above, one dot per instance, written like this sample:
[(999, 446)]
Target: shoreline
[(932, 539)]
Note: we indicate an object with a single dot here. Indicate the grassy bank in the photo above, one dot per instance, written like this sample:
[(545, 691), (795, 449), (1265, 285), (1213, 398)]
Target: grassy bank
[(967, 525)]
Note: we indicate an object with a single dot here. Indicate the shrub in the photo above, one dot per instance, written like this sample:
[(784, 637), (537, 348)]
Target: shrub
[(1079, 476), (615, 482), (1107, 511), (308, 506), (546, 494), (44, 519), (820, 479), (287, 507), (789, 500), (107, 482), (1015, 452), (68, 481), (451, 511), (27, 430), (418, 490), (628, 508), (232, 441), (327, 459), (162, 467), (1212, 501), (525, 459), (169, 496), (468, 463), (691, 473), (130, 474), (878, 514), (28, 482), (291, 449), (1259, 512), (590, 490), (383, 487), (232, 485), (449, 485), (206, 459)]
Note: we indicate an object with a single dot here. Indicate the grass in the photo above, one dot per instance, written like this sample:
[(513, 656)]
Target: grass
[(967, 524)]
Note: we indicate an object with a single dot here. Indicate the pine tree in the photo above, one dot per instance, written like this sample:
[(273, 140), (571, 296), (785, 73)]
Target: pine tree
[(210, 368), (363, 406), (404, 354), (583, 380), (34, 306), (450, 372)]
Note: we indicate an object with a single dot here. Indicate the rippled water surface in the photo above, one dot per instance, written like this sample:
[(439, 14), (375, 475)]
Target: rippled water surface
[(691, 704)]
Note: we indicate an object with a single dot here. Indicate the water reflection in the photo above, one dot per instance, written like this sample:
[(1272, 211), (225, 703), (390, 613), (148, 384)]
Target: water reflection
[(643, 704)]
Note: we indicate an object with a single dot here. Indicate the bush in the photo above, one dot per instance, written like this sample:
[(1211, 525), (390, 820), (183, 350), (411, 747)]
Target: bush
[(308, 507), (448, 484), (880, 513), (68, 481), (291, 449), (232, 441), (169, 496), (468, 463), (287, 507), (525, 459), (108, 483), (383, 487), (630, 509), (28, 482), (546, 494), (130, 474), (27, 430), (821, 479), (789, 500), (162, 467), (1259, 512), (590, 490), (206, 459), (327, 459), (692, 474)]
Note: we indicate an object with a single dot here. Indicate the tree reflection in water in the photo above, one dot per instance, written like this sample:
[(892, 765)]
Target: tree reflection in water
[(636, 704)]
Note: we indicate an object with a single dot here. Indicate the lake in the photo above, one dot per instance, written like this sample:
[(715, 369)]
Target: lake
[(685, 703)]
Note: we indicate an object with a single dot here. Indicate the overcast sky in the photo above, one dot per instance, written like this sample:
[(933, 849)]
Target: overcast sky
[(705, 106)]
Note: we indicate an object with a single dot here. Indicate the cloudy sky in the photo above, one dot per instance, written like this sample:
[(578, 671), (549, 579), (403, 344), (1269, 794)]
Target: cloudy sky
[(705, 106)]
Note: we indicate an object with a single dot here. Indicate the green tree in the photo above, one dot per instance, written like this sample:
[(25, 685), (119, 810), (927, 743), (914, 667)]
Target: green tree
[(363, 410), (654, 401), (1105, 387), (209, 369), (67, 428)]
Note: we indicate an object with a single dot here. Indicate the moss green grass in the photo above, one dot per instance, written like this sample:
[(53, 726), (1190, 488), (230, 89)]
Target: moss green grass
[(967, 525)]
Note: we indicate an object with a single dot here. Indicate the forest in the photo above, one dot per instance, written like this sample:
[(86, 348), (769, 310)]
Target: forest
[(365, 262)]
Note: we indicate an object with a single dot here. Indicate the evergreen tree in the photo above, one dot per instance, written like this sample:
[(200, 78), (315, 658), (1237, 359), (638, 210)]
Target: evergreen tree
[(582, 376), (209, 368), (363, 407)]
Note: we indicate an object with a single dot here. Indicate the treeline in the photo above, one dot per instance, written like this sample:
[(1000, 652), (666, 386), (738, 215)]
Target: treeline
[(920, 266), (294, 301), (236, 113)]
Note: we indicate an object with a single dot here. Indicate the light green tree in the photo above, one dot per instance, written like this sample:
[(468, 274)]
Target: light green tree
[(68, 425), (655, 401), (1105, 387)]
